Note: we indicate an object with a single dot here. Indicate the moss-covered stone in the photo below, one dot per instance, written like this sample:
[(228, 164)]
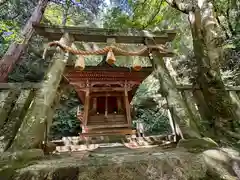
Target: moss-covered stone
[(220, 164), (11, 161), (196, 145), (24, 155), (125, 164)]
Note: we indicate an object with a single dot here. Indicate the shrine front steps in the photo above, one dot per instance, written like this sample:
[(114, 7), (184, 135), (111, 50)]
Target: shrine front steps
[(107, 126), (68, 144)]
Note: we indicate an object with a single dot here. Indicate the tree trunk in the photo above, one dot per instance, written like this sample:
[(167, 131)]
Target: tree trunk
[(62, 90), (208, 52), (15, 50), (206, 41), (31, 132), (174, 99)]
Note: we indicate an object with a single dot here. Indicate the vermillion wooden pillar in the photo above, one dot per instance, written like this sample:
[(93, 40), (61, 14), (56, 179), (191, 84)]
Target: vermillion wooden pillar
[(86, 106), (127, 105)]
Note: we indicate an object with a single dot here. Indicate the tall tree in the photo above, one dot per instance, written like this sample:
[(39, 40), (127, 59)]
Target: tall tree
[(16, 49), (207, 42)]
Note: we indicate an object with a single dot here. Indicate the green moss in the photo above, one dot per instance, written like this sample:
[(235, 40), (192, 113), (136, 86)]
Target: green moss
[(9, 170), (197, 145)]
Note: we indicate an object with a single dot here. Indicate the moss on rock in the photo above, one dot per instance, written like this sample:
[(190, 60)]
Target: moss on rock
[(197, 145), (129, 166), (20, 156)]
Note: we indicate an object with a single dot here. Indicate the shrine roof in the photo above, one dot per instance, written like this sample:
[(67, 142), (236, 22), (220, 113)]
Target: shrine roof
[(106, 72)]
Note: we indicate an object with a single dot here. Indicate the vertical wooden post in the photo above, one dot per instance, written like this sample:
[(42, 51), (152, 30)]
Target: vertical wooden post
[(172, 124), (86, 106), (94, 104), (169, 90), (106, 107), (190, 104), (119, 104), (127, 105)]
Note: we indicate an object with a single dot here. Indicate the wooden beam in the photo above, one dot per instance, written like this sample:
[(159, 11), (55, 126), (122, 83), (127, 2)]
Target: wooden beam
[(100, 35), (103, 89), (127, 105), (33, 85), (102, 94), (93, 127), (190, 87), (112, 132), (100, 69)]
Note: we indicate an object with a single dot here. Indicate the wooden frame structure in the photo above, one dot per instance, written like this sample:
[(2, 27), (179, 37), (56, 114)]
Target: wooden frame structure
[(101, 35), (111, 86), (112, 83)]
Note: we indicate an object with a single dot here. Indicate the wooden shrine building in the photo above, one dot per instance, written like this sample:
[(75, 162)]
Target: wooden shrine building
[(106, 90)]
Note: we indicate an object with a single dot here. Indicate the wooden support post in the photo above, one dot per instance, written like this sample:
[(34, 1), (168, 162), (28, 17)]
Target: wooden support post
[(15, 118), (7, 98), (86, 107), (31, 132), (191, 105), (95, 104), (127, 105), (169, 90), (106, 107), (119, 104), (172, 124)]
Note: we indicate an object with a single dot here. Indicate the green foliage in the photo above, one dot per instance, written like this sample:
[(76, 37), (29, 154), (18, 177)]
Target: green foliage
[(144, 15), (155, 120), (8, 34), (146, 103), (65, 122)]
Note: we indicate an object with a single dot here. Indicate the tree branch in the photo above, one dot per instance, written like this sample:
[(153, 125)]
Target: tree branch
[(154, 15), (229, 19), (180, 6)]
